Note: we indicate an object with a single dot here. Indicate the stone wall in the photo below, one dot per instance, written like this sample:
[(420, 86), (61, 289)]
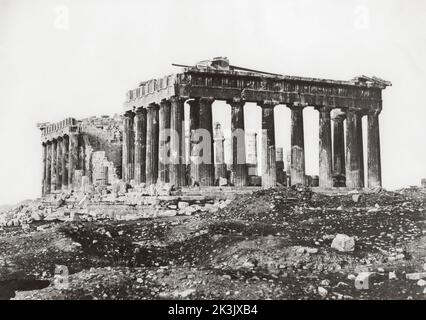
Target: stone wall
[(103, 148)]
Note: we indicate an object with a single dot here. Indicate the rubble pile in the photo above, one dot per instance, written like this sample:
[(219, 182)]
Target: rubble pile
[(138, 242)]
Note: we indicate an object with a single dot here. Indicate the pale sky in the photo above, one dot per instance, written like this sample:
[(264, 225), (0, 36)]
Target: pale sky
[(77, 58)]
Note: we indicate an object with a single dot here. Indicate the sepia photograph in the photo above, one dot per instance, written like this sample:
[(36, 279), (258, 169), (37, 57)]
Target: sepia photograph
[(212, 156)]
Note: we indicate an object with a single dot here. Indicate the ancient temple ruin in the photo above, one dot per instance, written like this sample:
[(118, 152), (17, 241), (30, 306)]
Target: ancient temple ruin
[(85, 151), (149, 143), (157, 106)]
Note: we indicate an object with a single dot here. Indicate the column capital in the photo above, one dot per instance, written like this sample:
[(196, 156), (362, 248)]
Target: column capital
[(375, 112), (354, 110), (153, 105), (206, 99), (297, 105), (236, 101), (323, 108), (129, 114), (177, 99), (165, 102), (268, 103), (140, 110)]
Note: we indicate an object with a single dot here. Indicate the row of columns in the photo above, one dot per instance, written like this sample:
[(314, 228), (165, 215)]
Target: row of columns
[(59, 159), (147, 145)]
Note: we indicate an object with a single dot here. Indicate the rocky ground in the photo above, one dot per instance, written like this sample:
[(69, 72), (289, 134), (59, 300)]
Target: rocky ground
[(284, 243)]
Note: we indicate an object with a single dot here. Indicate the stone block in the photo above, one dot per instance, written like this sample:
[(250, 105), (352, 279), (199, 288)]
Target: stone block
[(343, 243)]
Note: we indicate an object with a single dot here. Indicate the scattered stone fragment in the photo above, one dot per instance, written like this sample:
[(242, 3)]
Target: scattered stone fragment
[(322, 292), (421, 283), (415, 275), (343, 243)]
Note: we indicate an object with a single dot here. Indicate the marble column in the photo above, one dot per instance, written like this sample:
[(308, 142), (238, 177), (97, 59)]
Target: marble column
[(131, 151), (338, 144), (194, 122), (73, 158), (177, 167), (43, 179), (353, 152), (140, 145), (48, 169), (239, 166), (361, 149), (325, 148), (269, 170), (59, 164), (164, 141), (126, 147), (206, 166), (64, 161), (54, 167), (373, 150), (152, 137), (251, 142), (297, 170), (219, 154)]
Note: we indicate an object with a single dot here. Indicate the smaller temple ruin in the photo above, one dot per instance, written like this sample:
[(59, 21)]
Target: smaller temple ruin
[(79, 152)]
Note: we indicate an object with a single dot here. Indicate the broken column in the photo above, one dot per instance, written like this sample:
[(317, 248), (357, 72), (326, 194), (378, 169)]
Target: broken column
[(219, 154), (152, 137), (54, 167), (280, 165), (73, 157), (206, 166), (373, 150), (353, 156), (140, 145), (251, 143), (194, 121), (239, 167), (338, 146), (164, 141), (325, 153), (297, 170), (177, 170), (269, 173)]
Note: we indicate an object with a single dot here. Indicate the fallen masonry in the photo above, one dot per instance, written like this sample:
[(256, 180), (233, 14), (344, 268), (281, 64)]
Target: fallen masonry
[(259, 244)]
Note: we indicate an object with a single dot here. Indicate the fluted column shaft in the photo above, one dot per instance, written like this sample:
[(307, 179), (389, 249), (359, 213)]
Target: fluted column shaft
[(269, 171), (206, 167), (140, 145), (373, 151), (177, 142), (338, 145), (164, 141), (239, 166), (44, 159), (59, 147), (219, 154), (64, 162), (325, 147), (73, 158), (297, 170), (194, 122), (54, 167), (126, 147), (48, 169), (353, 152), (152, 137)]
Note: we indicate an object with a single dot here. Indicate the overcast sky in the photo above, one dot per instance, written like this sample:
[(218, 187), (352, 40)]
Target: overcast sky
[(77, 58)]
